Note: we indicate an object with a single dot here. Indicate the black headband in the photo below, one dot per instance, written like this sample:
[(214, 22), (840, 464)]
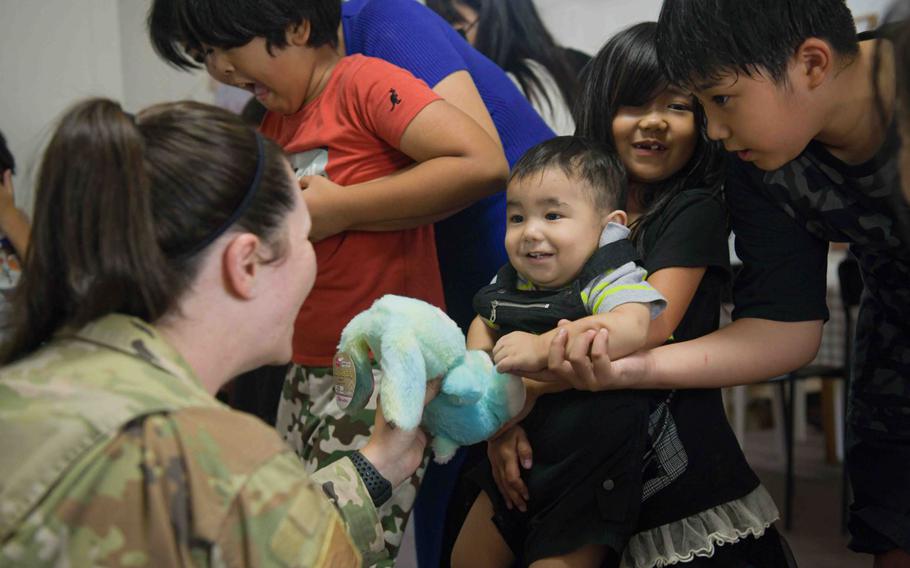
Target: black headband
[(241, 207)]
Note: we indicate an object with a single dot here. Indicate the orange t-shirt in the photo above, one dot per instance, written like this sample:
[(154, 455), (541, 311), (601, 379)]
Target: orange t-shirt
[(351, 133)]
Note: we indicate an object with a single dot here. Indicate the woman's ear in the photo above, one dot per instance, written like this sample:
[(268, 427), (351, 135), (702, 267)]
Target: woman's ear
[(617, 216), (814, 61), (240, 265)]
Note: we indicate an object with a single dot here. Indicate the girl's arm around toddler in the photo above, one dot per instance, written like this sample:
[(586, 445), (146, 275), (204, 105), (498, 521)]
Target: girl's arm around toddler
[(627, 325)]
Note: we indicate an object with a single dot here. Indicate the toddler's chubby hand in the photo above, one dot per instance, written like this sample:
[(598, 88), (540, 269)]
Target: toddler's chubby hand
[(318, 194), (519, 352)]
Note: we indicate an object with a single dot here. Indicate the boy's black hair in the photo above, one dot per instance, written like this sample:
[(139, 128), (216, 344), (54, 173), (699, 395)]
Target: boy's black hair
[(7, 162), (699, 40), (580, 159), (179, 26)]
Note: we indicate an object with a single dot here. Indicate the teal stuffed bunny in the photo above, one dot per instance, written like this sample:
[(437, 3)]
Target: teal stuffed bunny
[(414, 342)]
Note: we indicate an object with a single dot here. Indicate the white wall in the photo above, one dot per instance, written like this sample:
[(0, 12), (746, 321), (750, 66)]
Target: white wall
[(587, 24), (863, 7), (52, 52), (56, 52), (146, 78)]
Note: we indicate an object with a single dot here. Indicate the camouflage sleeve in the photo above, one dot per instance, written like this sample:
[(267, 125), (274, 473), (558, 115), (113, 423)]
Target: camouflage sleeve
[(252, 498), (341, 482), (200, 487), (281, 518), (280, 515)]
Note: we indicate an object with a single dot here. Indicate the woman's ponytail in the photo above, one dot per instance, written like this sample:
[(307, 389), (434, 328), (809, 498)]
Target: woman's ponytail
[(127, 207), (93, 240)]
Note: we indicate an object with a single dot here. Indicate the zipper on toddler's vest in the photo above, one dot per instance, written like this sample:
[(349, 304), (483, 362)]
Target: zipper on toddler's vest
[(497, 303)]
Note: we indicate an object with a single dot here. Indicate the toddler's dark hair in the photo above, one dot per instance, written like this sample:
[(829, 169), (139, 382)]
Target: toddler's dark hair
[(583, 160), (699, 40), (177, 27)]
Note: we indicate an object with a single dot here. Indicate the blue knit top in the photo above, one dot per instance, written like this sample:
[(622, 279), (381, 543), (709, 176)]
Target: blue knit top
[(408, 34)]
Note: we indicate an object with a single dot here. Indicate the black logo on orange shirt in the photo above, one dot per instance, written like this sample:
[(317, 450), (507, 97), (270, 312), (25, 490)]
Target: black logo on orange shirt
[(393, 97)]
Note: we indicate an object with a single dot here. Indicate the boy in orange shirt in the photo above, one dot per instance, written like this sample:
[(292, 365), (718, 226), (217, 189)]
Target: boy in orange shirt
[(380, 157)]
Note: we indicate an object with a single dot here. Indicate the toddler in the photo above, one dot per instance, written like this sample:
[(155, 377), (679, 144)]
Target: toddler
[(569, 259)]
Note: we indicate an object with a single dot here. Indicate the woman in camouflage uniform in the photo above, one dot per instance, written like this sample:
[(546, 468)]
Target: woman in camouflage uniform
[(170, 253)]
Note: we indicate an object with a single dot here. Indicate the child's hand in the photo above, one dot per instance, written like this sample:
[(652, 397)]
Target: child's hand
[(586, 363), (519, 352), (506, 453), (318, 193), (13, 221), (7, 199), (8, 211)]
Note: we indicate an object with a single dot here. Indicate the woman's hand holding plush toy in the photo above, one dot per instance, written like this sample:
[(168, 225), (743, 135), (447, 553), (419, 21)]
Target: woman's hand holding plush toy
[(394, 452)]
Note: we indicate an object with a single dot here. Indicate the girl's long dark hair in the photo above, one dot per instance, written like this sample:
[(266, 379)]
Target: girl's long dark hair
[(121, 203), (626, 72), (510, 32)]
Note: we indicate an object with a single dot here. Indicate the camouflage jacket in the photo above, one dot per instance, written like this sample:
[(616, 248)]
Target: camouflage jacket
[(114, 455)]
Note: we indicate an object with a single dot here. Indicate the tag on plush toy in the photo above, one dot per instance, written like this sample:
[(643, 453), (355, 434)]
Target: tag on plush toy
[(350, 390)]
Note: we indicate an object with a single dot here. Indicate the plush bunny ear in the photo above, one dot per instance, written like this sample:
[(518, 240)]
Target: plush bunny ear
[(404, 382)]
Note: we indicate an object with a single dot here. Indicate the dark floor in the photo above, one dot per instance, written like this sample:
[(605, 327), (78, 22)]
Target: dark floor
[(815, 535)]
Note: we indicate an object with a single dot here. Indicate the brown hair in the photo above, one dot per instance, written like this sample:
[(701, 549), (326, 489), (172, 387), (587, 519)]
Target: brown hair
[(122, 203)]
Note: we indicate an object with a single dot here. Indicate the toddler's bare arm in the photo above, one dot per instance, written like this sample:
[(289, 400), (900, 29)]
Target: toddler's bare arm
[(627, 324), (480, 336)]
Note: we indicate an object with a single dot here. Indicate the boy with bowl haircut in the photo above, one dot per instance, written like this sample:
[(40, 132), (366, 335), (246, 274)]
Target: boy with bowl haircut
[(380, 158)]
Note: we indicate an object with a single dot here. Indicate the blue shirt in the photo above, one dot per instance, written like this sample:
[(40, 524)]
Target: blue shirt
[(408, 34)]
